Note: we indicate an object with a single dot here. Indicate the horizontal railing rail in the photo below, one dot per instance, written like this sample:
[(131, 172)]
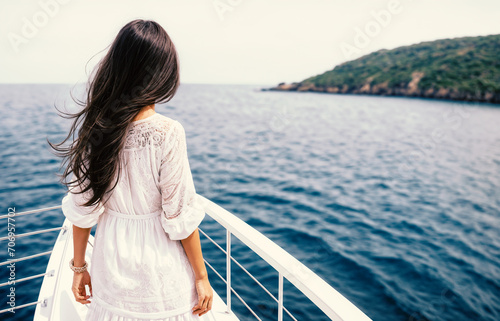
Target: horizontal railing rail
[(17, 307), (9, 261), (50, 273), (39, 210), (16, 236)]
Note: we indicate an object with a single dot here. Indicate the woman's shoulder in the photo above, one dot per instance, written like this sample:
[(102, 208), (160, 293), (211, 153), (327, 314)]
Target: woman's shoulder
[(172, 131), (169, 124), (171, 135)]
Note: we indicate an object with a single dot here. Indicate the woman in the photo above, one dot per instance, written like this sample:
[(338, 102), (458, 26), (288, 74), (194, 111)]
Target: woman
[(131, 177)]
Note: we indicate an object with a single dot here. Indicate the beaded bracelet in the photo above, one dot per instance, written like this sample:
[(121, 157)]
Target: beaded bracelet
[(79, 269)]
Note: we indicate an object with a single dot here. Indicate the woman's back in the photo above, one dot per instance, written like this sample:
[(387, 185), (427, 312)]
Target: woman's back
[(138, 189)]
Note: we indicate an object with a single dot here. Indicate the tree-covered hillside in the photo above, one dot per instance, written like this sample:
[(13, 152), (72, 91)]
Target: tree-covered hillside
[(460, 68)]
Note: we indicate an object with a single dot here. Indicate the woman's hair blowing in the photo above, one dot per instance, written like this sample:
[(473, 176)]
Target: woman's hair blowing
[(140, 69)]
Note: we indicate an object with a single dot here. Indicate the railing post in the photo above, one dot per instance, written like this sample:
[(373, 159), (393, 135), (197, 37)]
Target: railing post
[(228, 271), (280, 297)]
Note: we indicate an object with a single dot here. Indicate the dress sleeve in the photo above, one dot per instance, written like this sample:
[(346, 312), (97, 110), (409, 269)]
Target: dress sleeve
[(78, 215), (182, 211)]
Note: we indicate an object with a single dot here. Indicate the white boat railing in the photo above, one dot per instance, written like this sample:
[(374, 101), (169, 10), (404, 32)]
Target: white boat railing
[(325, 297), (9, 261)]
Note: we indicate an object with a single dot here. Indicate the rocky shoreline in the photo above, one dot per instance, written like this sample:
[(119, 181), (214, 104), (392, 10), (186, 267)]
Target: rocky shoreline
[(409, 90)]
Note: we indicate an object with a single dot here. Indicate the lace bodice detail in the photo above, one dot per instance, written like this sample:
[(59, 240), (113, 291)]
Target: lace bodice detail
[(149, 131)]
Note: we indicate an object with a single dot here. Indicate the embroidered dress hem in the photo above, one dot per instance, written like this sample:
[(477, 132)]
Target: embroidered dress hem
[(99, 310)]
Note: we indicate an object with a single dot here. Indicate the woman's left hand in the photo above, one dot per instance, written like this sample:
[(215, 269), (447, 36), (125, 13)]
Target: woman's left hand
[(78, 288), (205, 296)]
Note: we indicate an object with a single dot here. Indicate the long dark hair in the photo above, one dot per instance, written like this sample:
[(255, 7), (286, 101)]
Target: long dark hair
[(140, 69)]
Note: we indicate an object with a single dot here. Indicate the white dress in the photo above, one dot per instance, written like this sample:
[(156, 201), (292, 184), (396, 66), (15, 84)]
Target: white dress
[(139, 269)]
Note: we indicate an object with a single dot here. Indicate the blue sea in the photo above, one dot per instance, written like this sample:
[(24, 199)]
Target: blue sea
[(395, 202)]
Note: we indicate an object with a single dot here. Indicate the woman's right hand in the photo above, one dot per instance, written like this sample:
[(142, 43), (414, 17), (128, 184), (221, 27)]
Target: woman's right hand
[(78, 288), (205, 296)]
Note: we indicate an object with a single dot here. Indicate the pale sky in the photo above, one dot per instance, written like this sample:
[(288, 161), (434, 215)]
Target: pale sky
[(228, 41)]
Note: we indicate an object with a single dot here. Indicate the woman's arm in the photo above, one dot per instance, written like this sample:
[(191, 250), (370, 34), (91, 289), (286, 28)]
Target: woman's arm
[(80, 239), (192, 247)]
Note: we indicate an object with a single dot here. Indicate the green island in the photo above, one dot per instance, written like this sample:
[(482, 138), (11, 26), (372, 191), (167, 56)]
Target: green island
[(465, 69)]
